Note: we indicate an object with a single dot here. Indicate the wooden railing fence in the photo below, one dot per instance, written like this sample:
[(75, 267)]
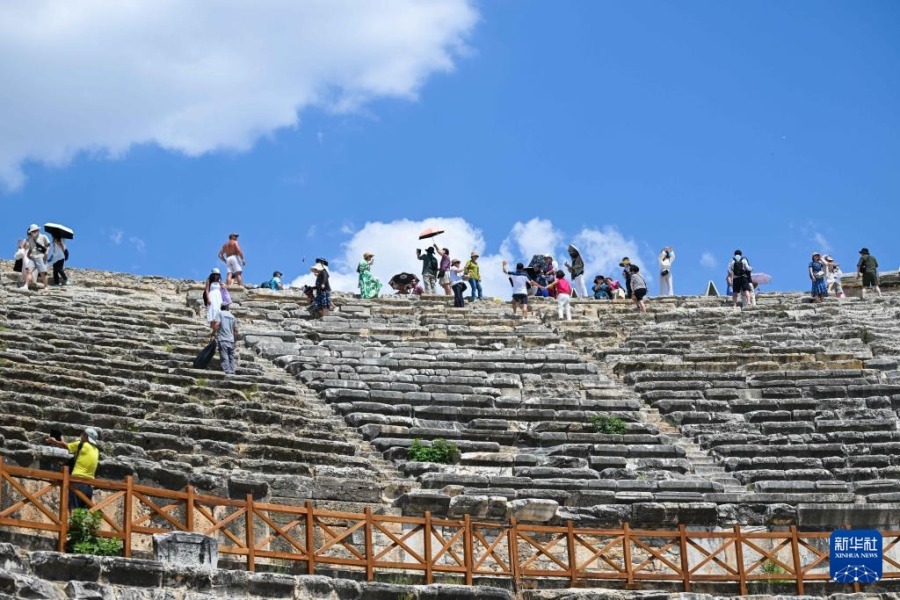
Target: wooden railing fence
[(38, 500)]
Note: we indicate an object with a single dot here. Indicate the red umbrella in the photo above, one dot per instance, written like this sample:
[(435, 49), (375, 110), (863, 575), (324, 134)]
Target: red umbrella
[(430, 233)]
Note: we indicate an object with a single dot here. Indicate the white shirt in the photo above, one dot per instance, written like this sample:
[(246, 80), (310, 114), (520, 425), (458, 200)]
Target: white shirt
[(519, 283), (666, 263), (454, 275)]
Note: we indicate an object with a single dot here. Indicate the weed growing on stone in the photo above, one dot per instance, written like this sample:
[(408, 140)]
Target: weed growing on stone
[(608, 424), (201, 382), (866, 336), (440, 451), (251, 392), (83, 539), (744, 344), (770, 567)]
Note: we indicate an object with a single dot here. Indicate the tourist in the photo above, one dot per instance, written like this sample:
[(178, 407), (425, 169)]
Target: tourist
[(549, 276), (638, 288), (576, 271), (38, 246), (520, 281), (563, 289), (23, 266), (86, 455), (224, 326), (457, 284), (833, 276), (739, 270), (212, 294), (322, 303), (867, 268), (429, 268), (601, 288), (59, 254), (369, 286), (472, 273), (444, 269), (626, 273), (233, 257), (275, 283), (666, 285), (816, 270), (615, 289)]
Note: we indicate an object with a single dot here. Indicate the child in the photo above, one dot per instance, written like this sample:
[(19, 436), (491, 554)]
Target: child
[(563, 294), (638, 288)]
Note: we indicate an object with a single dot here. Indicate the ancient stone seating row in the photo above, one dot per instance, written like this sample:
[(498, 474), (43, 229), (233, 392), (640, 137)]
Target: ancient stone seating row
[(73, 358)]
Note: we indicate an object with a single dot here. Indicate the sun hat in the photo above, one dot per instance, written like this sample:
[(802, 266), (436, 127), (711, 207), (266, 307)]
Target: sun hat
[(368, 255), (828, 258), (475, 255), (216, 271), (625, 261), (33, 227), (863, 251), (815, 254), (92, 435)]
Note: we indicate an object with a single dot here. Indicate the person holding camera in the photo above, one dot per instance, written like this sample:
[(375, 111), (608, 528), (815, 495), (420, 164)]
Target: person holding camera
[(666, 258), (83, 464)]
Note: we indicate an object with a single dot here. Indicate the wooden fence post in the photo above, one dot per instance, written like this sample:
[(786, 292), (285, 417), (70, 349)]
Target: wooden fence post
[(370, 549), (739, 557), (310, 539), (251, 535), (468, 543), (685, 563), (798, 567), (426, 544), (127, 510), (626, 553), (189, 510), (63, 511), (573, 558), (513, 541)]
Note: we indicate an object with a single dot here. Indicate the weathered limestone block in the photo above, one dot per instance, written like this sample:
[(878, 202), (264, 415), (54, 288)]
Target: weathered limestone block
[(186, 549), (65, 567), (532, 510)]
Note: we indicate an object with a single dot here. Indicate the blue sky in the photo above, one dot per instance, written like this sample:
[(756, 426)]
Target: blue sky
[(769, 126)]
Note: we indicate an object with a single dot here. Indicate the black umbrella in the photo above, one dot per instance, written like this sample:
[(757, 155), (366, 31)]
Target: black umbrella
[(403, 279), (59, 231)]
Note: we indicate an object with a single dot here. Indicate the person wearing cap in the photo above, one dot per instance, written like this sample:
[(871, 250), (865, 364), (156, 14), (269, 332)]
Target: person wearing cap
[(322, 302), (274, 283), (429, 268), (739, 270), (626, 273), (867, 268), (212, 294), (473, 275), (520, 282), (456, 283), (233, 257), (369, 286), (816, 271), (38, 246), (225, 330), (87, 456), (833, 276)]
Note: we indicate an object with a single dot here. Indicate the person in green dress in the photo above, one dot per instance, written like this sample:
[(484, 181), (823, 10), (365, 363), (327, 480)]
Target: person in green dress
[(369, 287)]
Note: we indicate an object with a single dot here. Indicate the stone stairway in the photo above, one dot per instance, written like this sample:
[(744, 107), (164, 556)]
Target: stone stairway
[(115, 351)]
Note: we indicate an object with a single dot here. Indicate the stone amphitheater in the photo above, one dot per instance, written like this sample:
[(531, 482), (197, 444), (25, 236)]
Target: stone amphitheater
[(782, 415)]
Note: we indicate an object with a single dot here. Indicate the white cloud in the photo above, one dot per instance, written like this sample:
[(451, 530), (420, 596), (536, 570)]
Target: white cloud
[(138, 244), (196, 77), (603, 249), (394, 245), (116, 236), (708, 260), (822, 242)]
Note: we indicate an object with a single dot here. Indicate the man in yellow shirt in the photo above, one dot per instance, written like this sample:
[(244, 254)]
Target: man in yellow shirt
[(87, 455)]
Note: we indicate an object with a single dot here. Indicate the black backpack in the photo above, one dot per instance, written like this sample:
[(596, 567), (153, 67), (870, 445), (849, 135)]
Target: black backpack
[(739, 269)]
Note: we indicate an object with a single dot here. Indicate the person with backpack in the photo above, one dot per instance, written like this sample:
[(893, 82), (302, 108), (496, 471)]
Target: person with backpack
[(59, 254), (817, 276), (739, 271), (275, 283), (457, 284), (638, 288), (23, 266), (38, 247), (83, 464), (867, 268)]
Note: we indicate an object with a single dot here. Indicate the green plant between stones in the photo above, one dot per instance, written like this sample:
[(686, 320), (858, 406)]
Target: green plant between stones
[(83, 539), (440, 451), (770, 567), (609, 425)]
